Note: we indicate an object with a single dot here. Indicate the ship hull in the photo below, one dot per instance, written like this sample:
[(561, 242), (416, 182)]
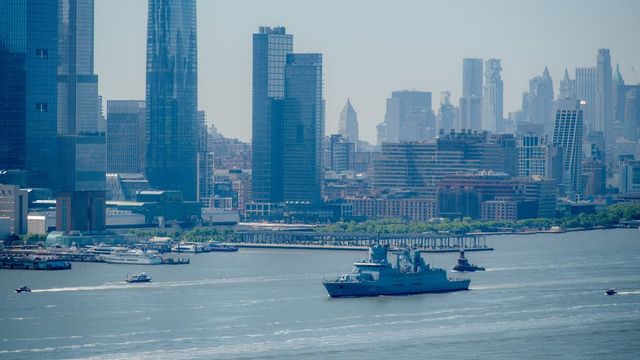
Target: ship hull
[(360, 289)]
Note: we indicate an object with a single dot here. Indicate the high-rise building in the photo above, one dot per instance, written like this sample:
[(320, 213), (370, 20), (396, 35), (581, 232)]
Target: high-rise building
[(408, 116), (270, 49), (604, 88), (28, 88), (303, 129), (172, 96), (567, 87), (632, 113), (125, 136), (538, 102), (81, 197), (342, 153), (534, 157), (586, 93), (471, 100), (13, 210), (492, 113), (472, 77), (206, 165), (567, 134), (447, 113), (629, 179), (348, 125)]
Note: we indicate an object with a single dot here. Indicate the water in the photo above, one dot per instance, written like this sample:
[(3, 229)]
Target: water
[(542, 297)]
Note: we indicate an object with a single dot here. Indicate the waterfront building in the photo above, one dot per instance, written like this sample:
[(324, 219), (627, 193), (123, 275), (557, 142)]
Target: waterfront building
[(534, 156), (13, 211), (125, 136), (567, 87), (408, 117), (81, 146), (604, 104), (407, 207), (348, 125), (586, 93), (172, 96), (447, 113), (567, 134), (28, 89), (492, 113), (270, 49), (303, 129)]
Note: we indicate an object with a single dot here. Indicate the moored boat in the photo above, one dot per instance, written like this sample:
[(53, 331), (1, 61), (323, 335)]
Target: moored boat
[(135, 257)]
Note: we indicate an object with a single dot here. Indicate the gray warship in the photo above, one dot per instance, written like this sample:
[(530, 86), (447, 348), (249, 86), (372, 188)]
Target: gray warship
[(376, 276)]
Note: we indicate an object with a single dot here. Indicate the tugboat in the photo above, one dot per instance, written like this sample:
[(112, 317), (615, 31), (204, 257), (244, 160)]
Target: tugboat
[(23, 289), (138, 278), (611, 292), (377, 276), (464, 265)]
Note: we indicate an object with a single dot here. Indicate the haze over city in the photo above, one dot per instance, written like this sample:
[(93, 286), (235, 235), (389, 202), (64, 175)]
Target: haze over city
[(372, 48)]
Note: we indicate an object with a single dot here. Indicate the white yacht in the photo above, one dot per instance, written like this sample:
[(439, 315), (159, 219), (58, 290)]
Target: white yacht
[(188, 247), (136, 257)]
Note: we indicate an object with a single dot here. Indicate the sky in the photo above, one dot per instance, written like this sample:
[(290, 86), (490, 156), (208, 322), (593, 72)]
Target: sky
[(373, 47)]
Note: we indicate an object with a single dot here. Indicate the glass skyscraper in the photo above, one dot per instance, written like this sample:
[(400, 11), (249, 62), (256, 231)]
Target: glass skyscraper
[(172, 129), (270, 49), (303, 129), (492, 97), (567, 135), (28, 82)]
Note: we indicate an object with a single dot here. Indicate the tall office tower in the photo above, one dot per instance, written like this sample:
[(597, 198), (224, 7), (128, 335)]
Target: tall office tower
[(472, 77), (604, 88), (586, 92), (270, 49), (567, 134), (342, 153), (471, 100), (172, 96), (80, 201), (348, 125), (125, 136), (629, 178), (632, 113), (492, 95), (619, 96), (567, 87), (540, 101), (447, 113), (409, 116), (303, 129), (534, 157), (28, 88), (206, 165)]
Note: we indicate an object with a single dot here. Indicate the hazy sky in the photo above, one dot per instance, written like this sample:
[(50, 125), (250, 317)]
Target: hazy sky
[(372, 47)]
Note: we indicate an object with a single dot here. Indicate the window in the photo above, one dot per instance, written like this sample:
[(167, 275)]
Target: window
[(41, 107), (42, 53)]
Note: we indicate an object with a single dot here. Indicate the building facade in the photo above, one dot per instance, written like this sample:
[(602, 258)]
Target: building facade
[(172, 96), (408, 117), (586, 93), (471, 100), (538, 102), (270, 49), (348, 125), (492, 103), (567, 134), (604, 87), (126, 136), (28, 88)]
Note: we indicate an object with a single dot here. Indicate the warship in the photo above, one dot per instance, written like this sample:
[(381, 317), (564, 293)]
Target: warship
[(376, 276)]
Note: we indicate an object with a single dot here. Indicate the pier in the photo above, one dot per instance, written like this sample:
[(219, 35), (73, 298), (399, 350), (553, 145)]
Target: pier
[(358, 241), (33, 263)]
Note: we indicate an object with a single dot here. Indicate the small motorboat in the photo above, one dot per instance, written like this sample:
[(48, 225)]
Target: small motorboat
[(464, 265), (23, 289), (611, 292), (138, 278)]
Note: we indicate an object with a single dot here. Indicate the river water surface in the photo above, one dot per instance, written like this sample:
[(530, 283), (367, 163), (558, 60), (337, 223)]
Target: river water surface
[(542, 296)]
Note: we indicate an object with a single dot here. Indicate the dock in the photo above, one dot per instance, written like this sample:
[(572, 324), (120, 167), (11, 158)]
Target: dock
[(432, 243), (33, 263)]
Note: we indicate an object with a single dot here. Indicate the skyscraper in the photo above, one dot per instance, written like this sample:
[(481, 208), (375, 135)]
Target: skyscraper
[(604, 88), (447, 113), (80, 201), (471, 100), (172, 96), (540, 101), (409, 116), (125, 136), (567, 134), (28, 88), (348, 125), (270, 49), (303, 129), (492, 112), (567, 87), (586, 91)]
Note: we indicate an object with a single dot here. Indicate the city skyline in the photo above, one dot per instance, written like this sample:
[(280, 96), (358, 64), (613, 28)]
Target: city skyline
[(225, 83)]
